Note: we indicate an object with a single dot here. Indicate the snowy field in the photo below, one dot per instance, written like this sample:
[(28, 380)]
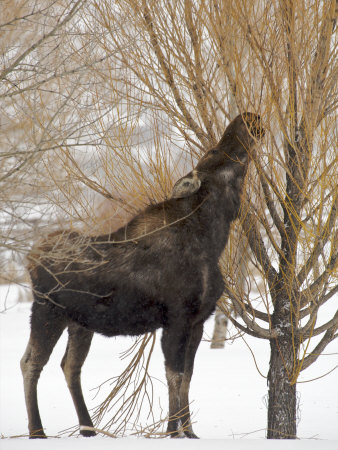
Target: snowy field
[(228, 394)]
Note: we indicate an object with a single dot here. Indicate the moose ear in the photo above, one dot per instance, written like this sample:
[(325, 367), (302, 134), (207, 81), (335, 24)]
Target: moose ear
[(186, 186)]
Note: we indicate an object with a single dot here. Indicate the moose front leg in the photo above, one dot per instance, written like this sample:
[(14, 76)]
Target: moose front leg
[(193, 343), (174, 343), (174, 380)]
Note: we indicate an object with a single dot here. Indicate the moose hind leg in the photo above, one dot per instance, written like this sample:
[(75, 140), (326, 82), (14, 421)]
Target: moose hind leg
[(40, 346), (79, 341)]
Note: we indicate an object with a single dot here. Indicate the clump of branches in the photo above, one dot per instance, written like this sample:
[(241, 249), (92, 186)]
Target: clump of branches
[(131, 389)]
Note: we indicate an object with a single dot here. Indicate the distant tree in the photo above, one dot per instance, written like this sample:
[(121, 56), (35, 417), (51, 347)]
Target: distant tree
[(63, 130), (36, 59)]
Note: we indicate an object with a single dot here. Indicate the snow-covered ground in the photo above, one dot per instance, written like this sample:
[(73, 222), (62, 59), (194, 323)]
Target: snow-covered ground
[(228, 393)]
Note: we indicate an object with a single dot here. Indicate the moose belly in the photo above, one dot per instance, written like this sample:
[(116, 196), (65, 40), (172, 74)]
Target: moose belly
[(116, 314)]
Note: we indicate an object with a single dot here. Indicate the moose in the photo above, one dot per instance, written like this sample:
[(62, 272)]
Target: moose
[(160, 270)]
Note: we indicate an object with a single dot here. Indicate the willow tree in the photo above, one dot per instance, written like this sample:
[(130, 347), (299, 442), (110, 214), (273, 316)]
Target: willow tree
[(192, 63), (56, 106), (292, 233), (39, 85)]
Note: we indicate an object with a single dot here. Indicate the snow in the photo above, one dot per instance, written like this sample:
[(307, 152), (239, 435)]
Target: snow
[(173, 444), (228, 394)]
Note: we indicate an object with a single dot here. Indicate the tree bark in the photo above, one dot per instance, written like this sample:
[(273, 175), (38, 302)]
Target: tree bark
[(282, 403)]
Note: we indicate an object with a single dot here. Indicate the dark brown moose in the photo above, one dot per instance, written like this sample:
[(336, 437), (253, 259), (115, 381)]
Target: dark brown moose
[(158, 271)]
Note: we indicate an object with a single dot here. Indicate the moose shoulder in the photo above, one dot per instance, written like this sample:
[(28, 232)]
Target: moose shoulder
[(158, 271)]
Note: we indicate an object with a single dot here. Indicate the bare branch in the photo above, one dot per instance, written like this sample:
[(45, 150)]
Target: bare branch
[(249, 330), (319, 69), (256, 313), (169, 76), (76, 7), (55, 76), (270, 204), (331, 324), (311, 293), (316, 301), (321, 241), (197, 79), (257, 246), (250, 322), (328, 295), (328, 337)]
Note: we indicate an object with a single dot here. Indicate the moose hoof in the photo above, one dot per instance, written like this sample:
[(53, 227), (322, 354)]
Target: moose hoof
[(191, 435), (39, 434), (177, 435), (87, 432)]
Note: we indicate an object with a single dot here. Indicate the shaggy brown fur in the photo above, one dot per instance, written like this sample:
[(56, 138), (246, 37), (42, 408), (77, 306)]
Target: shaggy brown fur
[(158, 271)]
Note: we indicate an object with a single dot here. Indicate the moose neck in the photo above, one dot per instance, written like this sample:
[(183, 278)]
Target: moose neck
[(219, 202)]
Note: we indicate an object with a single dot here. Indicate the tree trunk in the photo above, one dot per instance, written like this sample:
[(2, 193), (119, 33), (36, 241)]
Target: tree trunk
[(282, 405), (220, 329)]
